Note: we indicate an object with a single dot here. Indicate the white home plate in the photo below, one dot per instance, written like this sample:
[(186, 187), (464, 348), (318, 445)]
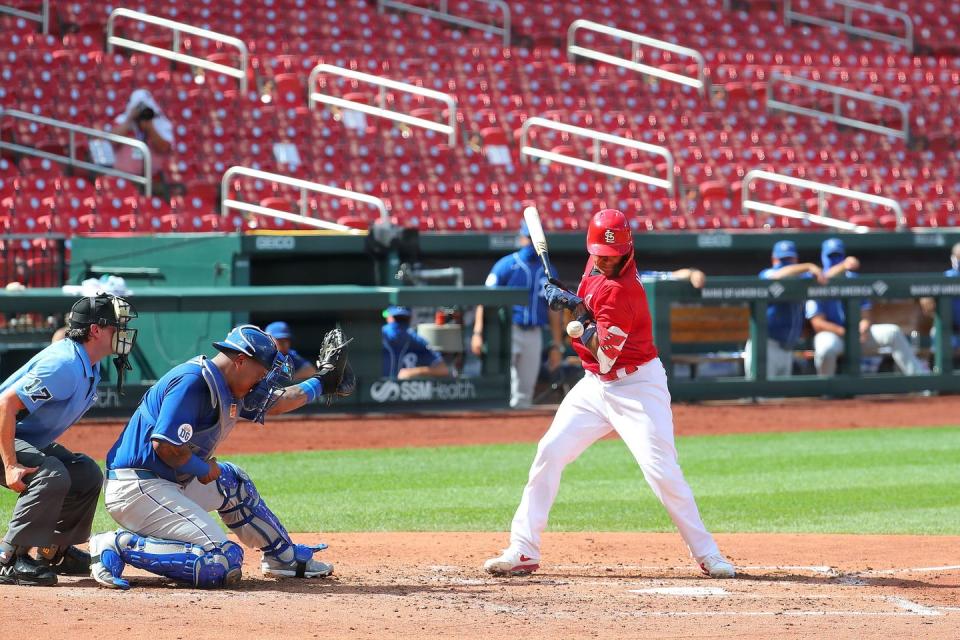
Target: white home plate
[(682, 591)]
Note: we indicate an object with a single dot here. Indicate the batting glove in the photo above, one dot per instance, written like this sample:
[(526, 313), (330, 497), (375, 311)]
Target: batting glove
[(559, 299)]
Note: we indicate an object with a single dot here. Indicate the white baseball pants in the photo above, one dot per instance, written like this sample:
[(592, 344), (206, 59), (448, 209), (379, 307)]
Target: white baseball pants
[(638, 408), (166, 510), (779, 360), (827, 347), (526, 347)]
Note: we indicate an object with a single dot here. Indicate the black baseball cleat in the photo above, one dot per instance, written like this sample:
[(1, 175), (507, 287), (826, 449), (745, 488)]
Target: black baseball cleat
[(69, 561), (27, 572)]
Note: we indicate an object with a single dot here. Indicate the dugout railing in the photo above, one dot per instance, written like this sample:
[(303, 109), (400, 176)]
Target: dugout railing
[(757, 294), (356, 309)]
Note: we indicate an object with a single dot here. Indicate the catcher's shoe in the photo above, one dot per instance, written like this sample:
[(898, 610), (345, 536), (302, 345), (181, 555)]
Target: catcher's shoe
[(106, 565), (295, 569), (511, 563), (67, 561), (717, 566)]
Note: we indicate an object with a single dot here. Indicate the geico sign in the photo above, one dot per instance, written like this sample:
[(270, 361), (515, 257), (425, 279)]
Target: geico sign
[(420, 390)]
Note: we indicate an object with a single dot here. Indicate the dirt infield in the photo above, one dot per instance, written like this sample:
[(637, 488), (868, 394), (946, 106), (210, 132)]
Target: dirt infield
[(611, 585), (596, 585)]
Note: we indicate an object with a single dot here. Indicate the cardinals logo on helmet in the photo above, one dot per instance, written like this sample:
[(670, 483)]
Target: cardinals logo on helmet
[(609, 236)]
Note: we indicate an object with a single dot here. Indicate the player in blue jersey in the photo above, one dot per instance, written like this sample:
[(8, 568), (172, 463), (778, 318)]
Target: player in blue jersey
[(405, 354), (163, 479), (302, 368), (929, 305), (523, 268), (784, 319), (58, 488), (828, 319)]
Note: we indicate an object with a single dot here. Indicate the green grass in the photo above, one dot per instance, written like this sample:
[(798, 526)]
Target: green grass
[(858, 481)]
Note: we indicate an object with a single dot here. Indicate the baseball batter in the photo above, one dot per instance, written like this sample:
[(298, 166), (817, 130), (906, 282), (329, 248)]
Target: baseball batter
[(624, 389), (162, 478)]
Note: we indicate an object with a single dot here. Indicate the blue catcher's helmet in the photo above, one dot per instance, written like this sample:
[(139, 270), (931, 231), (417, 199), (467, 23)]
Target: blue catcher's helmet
[(254, 343)]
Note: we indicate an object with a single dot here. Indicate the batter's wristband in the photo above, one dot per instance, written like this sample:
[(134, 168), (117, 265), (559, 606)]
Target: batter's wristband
[(588, 334), (312, 388), (195, 466)]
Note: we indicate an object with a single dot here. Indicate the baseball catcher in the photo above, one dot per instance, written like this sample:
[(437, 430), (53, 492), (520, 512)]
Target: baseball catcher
[(163, 479)]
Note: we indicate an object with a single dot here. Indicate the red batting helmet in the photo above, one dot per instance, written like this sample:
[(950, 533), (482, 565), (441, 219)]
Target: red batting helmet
[(609, 234)]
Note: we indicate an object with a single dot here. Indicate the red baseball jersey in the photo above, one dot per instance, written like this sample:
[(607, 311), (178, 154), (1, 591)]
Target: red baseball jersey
[(622, 315)]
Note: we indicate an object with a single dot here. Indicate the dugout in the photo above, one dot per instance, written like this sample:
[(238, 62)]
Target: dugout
[(220, 280)]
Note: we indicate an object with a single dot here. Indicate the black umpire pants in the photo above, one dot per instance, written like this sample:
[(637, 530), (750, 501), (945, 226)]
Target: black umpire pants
[(60, 501)]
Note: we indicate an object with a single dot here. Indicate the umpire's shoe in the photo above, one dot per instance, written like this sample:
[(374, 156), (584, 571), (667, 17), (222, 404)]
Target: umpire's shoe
[(68, 561), (26, 572)]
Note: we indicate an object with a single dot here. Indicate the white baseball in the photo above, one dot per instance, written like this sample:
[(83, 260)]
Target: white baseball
[(574, 328)]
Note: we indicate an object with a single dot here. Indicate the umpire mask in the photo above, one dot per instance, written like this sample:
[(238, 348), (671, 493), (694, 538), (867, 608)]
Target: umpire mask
[(106, 310)]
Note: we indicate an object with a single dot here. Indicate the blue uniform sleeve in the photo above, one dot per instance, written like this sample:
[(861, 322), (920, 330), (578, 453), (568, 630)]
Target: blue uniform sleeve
[(425, 355), (298, 360), (814, 308), (49, 380), (184, 401), (498, 274), (767, 273)]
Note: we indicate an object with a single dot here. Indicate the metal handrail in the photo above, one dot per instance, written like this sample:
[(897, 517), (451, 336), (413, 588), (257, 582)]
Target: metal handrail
[(595, 165), (71, 159), (174, 54), (445, 15), (304, 186), (848, 8), (381, 111), (835, 115), (822, 189), (701, 82), (43, 17)]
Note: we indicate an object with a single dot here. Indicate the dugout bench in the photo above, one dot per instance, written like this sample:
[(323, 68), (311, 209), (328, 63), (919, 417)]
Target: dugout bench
[(718, 333), (723, 295)]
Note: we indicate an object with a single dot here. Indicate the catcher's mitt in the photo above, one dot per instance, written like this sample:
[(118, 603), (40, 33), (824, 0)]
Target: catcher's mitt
[(333, 366)]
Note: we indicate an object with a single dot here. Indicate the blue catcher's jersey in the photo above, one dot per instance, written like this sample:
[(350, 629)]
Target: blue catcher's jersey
[(784, 319), (190, 405), (832, 309), (523, 269), (57, 386), (404, 349)]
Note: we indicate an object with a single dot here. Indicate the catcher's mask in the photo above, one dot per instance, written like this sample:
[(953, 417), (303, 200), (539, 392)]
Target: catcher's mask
[(260, 347), (105, 310)]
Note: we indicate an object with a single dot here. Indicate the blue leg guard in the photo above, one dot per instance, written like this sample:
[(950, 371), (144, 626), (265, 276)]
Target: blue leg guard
[(206, 567), (245, 512)]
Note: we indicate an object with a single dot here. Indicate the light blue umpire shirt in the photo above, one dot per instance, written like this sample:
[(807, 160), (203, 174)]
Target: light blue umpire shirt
[(57, 386)]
